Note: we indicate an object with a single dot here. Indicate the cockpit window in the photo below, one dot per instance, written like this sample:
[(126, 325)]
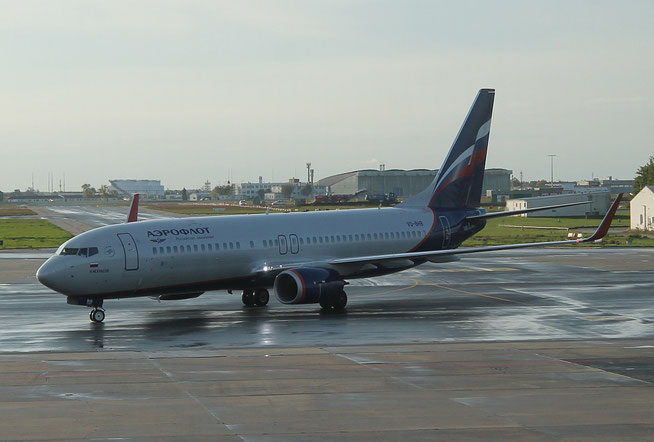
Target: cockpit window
[(84, 251)]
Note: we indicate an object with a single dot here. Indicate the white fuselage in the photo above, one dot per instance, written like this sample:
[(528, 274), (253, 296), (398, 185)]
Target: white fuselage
[(187, 255)]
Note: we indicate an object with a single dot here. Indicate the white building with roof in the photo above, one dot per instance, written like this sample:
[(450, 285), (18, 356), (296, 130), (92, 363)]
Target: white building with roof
[(641, 210), (146, 188)]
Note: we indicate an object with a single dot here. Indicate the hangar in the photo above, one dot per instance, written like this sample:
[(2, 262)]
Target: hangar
[(403, 183)]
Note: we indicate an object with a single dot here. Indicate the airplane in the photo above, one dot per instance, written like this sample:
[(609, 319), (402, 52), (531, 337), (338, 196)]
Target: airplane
[(305, 257)]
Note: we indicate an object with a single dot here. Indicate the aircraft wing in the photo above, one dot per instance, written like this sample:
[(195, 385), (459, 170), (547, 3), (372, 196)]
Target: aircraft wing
[(599, 233), (521, 211)]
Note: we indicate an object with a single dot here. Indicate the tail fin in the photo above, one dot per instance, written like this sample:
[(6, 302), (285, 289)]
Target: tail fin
[(133, 214), (459, 180)]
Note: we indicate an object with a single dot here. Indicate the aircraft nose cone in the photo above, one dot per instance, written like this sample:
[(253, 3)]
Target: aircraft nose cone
[(47, 275)]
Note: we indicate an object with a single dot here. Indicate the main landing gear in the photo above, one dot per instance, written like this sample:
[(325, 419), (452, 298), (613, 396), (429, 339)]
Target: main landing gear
[(97, 315), (255, 297), (335, 302)]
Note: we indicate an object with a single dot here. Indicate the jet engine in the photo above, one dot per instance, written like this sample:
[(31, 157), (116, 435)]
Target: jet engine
[(307, 285)]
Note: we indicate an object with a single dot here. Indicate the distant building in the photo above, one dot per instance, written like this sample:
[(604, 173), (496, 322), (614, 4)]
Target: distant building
[(618, 186), (403, 183), (599, 204), (641, 212), (151, 189), (273, 191)]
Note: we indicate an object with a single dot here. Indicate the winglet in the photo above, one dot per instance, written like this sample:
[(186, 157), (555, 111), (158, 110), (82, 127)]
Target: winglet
[(133, 209), (606, 222)]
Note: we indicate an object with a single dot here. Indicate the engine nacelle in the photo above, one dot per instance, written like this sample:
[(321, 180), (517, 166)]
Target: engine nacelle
[(307, 285)]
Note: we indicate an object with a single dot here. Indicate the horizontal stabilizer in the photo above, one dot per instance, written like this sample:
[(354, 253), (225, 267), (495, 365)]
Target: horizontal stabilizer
[(518, 212)]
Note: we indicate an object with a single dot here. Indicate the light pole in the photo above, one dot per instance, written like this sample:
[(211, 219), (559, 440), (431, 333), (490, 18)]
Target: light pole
[(551, 170)]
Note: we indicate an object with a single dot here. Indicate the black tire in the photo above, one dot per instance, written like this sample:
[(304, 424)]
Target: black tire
[(97, 315), (248, 297), (261, 297), (325, 303), (340, 301)]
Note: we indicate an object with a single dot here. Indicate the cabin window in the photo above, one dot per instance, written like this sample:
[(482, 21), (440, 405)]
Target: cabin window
[(333, 238), (161, 250), (265, 243), (314, 240), (252, 244), (302, 241), (231, 245), (175, 249), (369, 237), (195, 247), (167, 249), (224, 246), (154, 250), (203, 247), (326, 239), (356, 236), (209, 247), (320, 239), (276, 242), (188, 249), (217, 246), (374, 236), (350, 238), (238, 245)]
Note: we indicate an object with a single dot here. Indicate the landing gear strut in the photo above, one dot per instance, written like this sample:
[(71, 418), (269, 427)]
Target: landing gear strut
[(336, 302), (255, 297), (97, 315)]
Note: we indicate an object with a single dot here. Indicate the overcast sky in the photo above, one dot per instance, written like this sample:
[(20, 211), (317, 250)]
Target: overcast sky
[(185, 91)]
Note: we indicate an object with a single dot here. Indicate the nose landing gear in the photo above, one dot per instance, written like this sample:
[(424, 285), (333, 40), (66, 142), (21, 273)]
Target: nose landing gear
[(97, 315)]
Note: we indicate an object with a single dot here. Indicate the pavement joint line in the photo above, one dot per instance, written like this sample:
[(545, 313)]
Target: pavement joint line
[(408, 287), (470, 293), (188, 394)]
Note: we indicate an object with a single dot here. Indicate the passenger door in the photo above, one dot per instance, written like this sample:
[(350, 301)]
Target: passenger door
[(445, 225), (283, 246), (295, 243), (130, 251)]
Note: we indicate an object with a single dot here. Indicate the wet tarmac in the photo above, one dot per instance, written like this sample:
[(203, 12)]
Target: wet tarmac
[(526, 295), (539, 344)]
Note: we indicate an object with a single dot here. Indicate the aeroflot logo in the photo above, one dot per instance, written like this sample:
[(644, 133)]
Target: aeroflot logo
[(177, 232)]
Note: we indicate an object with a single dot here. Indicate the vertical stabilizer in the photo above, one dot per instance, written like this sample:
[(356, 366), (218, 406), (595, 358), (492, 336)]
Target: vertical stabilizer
[(133, 209), (459, 181)]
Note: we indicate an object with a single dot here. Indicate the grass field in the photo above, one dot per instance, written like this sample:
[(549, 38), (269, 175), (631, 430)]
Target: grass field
[(30, 233), (220, 209), (15, 211), (205, 209)]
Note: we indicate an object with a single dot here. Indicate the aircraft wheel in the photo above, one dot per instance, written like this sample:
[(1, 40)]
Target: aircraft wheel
[(97, 315), (340, 301), (325, 303), (248, 297), (261, 297)]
